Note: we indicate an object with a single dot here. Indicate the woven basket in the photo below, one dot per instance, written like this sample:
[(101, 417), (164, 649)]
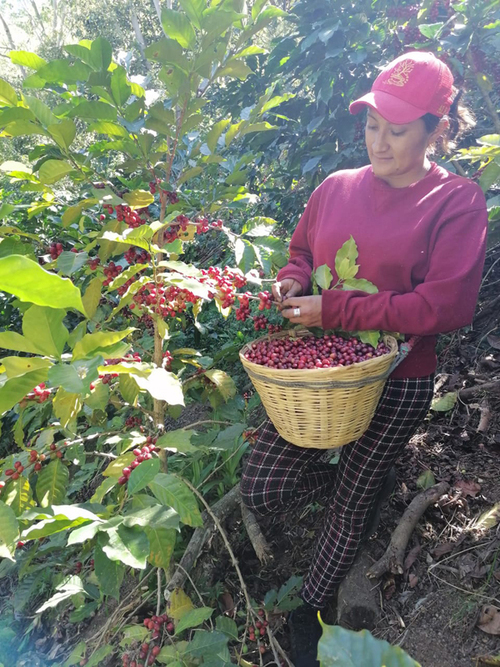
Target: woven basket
[(321, 407)]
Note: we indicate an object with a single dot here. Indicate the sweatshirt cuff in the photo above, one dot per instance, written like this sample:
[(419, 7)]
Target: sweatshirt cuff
[(332, 304), (304, 281)]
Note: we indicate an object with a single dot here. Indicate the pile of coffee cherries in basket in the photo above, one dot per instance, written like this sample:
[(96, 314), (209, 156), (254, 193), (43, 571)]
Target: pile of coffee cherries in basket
[(312, 352)]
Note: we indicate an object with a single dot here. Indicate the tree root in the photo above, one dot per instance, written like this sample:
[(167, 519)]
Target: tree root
[(259, 542), (470, 392), (222, 509), (392, 560)]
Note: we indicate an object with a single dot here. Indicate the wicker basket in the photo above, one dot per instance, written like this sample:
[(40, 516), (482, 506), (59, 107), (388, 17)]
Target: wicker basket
[(323, 407)]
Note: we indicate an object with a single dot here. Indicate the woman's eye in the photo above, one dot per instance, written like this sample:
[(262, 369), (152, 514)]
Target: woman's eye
[(397, 134), (371, 127)]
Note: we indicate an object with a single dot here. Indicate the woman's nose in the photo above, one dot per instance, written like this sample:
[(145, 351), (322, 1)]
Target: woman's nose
[(379, 143)]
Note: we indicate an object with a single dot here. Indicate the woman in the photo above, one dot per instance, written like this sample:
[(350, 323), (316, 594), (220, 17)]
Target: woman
[(421, 236)]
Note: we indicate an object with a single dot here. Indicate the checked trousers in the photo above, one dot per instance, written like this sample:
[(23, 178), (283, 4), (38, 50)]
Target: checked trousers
[(279, 476)]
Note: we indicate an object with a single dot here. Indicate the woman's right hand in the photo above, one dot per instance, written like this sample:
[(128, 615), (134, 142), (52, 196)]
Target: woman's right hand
[(285, 289)]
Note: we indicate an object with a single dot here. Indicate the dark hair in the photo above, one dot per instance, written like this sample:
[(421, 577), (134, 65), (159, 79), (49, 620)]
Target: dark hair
[(461, 121)]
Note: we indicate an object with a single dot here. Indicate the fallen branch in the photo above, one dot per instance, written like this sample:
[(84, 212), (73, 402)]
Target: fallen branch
[(221, 510), (392, 560), (259, 543), (470, 392)]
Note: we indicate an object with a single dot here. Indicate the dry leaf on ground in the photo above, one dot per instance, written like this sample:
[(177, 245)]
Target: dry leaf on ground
[(468, 488), (489, 620)]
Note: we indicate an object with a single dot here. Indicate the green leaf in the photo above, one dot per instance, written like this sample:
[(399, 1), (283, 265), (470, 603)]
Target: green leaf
[(206, 644), (161, 545), (138, 198), (129, 546), (18, 366), (133, 633), (109, 573), (348, 251), (63, 132), (194, 9), (106, 127), (44, 328), (8, 95), (228, 627), (27, 59), (93, 344), (172, 491), (234, 68), (52, 483), (430, 30), (9, 531), (18, 495), (257, 8), (152, 516), (21, 127), (100, 54), (258, 226), (84, 533), (92, 296), (142, 475), (178, 27), (162, 385), (193, 618), (67, 406), (12, 391), (128, 388), (9, 340), (339, 647), (426, 480), (244, 254), (115, 468), (70, 586), (323, 276), (224, 383), (69, 262), (120, 87), (66, 376), (40, 110), (215, 133), (359, 284), (52, 171), (166, 52), (177, 441), (94, 111), (445, 403), (369, 337)]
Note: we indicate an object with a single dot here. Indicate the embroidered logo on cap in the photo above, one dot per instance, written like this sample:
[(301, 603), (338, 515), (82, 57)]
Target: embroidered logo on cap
[(400, 74)]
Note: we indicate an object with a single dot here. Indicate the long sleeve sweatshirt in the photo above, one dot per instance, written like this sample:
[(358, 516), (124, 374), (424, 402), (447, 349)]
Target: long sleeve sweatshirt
[(423, 246)]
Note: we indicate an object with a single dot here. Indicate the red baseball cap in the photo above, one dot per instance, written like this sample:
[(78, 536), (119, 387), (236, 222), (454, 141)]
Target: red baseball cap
[(410, 86)]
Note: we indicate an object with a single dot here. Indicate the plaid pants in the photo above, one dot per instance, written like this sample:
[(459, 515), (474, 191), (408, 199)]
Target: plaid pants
[(280, 476)]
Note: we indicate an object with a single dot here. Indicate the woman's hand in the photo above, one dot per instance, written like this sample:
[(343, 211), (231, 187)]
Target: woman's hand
[(309, 310), (286, 289)]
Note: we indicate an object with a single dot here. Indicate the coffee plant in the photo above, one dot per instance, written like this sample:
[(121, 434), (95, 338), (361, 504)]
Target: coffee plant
[(136, 230)]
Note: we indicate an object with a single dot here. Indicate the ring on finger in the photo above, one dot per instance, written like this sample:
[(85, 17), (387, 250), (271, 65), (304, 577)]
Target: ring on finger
[(296, 312)]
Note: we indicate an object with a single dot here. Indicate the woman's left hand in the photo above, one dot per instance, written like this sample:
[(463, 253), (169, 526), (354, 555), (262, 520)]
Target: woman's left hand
[(309, 310)]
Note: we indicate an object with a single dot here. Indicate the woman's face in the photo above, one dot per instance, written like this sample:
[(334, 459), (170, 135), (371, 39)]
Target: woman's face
[(396, 152)]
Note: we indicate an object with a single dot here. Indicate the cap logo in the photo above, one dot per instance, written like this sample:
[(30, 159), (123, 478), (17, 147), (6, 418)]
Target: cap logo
[(400, 74)]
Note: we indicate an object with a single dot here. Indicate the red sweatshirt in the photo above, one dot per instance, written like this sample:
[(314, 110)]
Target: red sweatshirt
[(423, 246)]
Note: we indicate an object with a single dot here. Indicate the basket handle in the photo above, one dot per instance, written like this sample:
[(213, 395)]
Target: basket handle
[(404, 351)]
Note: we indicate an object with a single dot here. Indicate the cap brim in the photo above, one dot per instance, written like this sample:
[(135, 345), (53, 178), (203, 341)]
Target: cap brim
[(389, 107)]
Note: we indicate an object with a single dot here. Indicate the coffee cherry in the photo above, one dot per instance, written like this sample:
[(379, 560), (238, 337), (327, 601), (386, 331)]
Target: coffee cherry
[(155, 650), (310, 352), (37, 467)]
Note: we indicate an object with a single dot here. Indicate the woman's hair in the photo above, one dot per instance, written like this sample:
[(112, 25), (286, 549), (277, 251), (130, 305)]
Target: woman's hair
[(461, 121)]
